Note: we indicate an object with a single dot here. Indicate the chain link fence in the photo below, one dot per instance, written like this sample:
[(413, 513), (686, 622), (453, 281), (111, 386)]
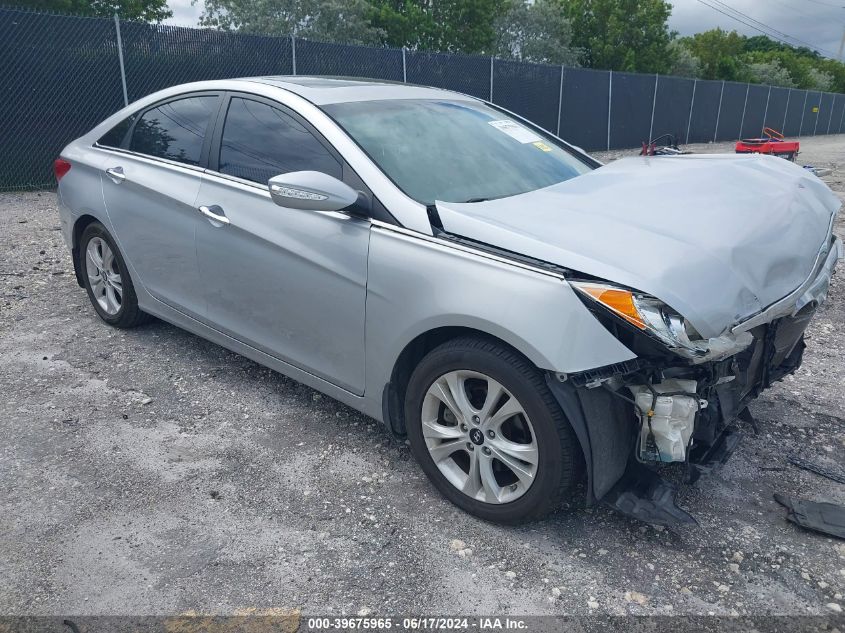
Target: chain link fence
[(60, 75)]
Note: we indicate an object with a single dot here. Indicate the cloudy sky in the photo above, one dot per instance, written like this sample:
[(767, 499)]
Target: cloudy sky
[(819, 23)]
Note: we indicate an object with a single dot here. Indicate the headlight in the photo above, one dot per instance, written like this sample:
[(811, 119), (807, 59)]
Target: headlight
[(651, 315)]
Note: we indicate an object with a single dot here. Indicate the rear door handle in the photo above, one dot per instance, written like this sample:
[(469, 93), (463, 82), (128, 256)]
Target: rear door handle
[(116, 174), (214, 213)]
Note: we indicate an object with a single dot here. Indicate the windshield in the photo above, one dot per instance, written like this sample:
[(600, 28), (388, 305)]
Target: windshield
[(454, 151)]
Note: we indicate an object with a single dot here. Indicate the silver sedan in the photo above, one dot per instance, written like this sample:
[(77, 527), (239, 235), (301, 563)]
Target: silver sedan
[(525, 316)]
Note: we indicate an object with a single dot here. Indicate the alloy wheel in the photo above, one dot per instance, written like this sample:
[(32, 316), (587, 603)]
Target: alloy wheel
[(103, 276), (479, 436)]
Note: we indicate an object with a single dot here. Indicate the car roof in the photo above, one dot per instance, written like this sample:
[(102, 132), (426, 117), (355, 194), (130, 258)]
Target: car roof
[(326, 90)]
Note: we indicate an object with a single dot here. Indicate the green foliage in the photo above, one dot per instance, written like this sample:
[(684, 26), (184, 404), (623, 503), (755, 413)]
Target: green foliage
[(629, 35), (758, 59), (538, 32), (682, 62), (511, 28), (717, 51), (333, 20), (456, 26), (769, 72), (819, 79), (146, 10)]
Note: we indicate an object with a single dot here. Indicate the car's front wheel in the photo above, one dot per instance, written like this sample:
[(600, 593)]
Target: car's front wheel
[(488, 433), (107, 279)]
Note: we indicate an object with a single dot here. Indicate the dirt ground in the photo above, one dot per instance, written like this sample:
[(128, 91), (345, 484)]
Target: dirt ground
[(151, 472)]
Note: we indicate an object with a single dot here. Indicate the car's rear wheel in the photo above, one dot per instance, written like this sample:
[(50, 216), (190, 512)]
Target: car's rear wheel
[(488, 433), (107, 279)]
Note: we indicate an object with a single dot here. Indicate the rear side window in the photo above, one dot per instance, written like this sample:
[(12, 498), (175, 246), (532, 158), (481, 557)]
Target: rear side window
[(114, 137), (174, 130), (260, 142)]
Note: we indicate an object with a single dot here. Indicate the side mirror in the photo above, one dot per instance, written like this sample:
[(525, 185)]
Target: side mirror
[(311, 191)]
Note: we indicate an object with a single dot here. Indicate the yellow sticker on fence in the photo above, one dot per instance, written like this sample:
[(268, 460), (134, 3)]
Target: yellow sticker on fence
[(815, 108), (541, 145)]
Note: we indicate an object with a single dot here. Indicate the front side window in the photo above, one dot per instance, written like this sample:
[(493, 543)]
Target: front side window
[(455, 151), (260, 141), (174, 130)]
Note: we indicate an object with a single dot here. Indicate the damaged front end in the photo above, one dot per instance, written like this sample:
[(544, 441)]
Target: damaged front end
[(707, 268), (681, 400)]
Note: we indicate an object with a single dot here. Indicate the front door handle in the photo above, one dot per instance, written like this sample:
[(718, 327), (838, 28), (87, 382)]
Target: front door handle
[(214, 213), (116, 174)]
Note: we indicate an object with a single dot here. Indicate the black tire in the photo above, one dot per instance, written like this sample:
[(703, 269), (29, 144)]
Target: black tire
[(558, 450), (129, 315)]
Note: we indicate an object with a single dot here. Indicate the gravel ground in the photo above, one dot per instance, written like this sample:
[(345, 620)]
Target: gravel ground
[(152, 472)]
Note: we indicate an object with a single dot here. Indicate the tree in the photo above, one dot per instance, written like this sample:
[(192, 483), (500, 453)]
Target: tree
[(146, 10), (762, 43), (329, 20), (629, 35), (758, 59), (836, 69), (718, 51), (537, 32), (819, 80), (404, 23), (682, 62), (769, 72), (455, 26)]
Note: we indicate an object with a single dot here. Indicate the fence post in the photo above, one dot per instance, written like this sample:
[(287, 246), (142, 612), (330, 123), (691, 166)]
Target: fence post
[(120, 59), (719, 112), (818, 112), (803, 112), (404, 67), (766, 110), (491, 78), (744, 106), (293, 51), (786, 111), (691, 105), (653, 106), (830, 118), (841, 120), (609, 104), (560, 100)]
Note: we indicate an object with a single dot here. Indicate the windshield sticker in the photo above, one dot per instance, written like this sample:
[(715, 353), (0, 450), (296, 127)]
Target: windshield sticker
[(515, 131), (541, 145)]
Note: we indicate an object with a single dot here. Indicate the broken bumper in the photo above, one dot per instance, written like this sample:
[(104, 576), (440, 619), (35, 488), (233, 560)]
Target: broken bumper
[(603, 409)]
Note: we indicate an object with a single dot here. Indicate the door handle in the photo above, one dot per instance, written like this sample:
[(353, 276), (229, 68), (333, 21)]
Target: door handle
[(116, 174), (214, 213)]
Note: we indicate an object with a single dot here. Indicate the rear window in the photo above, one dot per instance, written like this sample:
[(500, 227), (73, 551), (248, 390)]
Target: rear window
[(174, 130), (114, 137)]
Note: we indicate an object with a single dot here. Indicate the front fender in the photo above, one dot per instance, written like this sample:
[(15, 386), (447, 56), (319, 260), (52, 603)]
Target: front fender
[(418, 283)]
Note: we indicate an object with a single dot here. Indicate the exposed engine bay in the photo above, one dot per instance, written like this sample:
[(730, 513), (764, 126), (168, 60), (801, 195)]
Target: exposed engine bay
[(683, 413), (666, 413)]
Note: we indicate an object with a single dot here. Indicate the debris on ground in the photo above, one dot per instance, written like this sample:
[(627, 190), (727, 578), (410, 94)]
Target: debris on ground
[(817, 468), (827, 518)]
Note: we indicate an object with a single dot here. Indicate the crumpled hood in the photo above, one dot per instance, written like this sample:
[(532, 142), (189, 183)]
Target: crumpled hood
[(718, 237)]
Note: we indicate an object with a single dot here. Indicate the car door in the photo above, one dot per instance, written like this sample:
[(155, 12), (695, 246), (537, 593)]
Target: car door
[(150, 187), (289, 282)]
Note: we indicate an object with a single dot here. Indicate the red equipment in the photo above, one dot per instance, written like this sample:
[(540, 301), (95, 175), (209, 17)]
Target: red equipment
[(772, 143)]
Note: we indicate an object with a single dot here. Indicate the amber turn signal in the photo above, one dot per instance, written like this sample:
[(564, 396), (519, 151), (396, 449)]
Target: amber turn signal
[(620, 301)]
